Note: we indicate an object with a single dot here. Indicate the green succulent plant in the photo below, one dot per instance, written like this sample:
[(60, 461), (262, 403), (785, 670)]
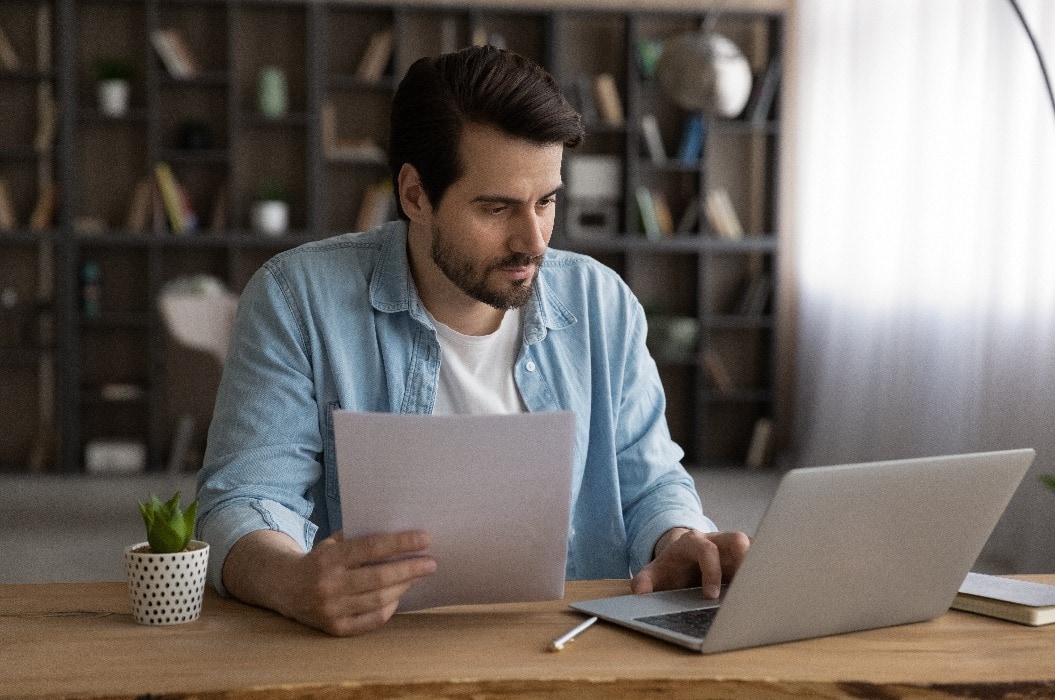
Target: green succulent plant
[(113, 68), (1048, 480), (169, 528)]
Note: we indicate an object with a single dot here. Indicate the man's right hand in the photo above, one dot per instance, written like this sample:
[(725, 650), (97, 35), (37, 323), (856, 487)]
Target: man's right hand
[(343, 587)]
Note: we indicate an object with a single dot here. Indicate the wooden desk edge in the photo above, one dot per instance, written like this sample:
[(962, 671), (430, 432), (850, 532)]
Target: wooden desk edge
[(585, 687)]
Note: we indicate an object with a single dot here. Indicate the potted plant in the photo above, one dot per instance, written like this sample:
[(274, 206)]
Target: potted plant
[(166, 574), (113, 75), (270, 210)]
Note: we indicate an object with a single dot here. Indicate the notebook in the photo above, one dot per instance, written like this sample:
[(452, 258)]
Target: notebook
[(841, 549)]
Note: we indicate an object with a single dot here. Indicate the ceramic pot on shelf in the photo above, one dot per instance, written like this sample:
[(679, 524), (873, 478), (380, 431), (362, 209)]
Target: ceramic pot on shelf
[(113, 95), (270, 216)]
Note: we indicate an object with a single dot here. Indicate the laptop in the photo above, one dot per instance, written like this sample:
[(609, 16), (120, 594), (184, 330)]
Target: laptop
[(841, 549)]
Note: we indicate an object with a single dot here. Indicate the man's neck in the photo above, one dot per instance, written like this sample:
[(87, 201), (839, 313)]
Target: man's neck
[(475, 318)]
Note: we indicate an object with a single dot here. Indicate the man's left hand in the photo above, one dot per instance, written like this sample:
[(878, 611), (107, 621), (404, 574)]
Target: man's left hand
[(685, 558)]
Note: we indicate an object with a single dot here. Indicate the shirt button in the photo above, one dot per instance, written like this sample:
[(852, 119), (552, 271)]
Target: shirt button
[(530, 366)]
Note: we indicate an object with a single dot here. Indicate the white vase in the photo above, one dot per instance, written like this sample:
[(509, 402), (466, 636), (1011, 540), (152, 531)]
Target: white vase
[(113, 97), (270, 217), (166, 589), (272, 96)]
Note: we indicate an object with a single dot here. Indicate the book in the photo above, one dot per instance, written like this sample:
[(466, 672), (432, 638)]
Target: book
[(43, 216), (158, 216), (717, 372), (8, 220), (763, 93), (365, 150), (721, 215), (328, 127), (171, 197), (190, 216), (375, 58), (648, 53), (168, 55), (174, 53), (663, 215), (47, 123), (690, 148), (138, 218), (653, 139), (1024, 602), (337, 148), (756, 295), (646, 208), (183, 51), (606, 97), (8, 56), (758, 448)]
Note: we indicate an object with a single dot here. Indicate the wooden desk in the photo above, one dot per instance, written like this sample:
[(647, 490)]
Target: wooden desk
[(79, 640)]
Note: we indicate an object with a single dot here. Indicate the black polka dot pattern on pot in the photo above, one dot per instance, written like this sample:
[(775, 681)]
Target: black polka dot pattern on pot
[(166, 589)]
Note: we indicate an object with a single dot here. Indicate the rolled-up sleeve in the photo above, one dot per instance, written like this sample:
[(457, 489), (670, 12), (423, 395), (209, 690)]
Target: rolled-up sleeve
[(265, 442), (657, 492)]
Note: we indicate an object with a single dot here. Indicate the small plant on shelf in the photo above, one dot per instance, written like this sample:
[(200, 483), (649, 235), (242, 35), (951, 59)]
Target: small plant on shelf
[(271, 191), (166, 574), (113, 75), (113, 68), (270, 210)]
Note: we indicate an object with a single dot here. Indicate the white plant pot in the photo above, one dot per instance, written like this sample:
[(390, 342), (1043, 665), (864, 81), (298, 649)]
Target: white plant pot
[(113, 97), (270, 217), (166, 589)]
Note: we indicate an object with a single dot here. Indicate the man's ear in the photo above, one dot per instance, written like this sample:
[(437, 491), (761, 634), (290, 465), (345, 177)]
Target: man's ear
[(412, 195)]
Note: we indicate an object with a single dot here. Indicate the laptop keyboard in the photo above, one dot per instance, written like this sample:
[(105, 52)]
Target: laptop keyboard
[(694, 623)]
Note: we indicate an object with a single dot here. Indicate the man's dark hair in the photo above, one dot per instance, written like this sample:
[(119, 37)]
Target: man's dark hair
[(439, 97)]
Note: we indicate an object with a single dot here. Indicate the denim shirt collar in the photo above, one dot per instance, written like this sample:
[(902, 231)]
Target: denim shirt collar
[(392, 288)]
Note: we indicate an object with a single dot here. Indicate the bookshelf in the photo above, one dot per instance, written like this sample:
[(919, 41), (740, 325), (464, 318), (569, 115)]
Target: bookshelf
[(84, 356)]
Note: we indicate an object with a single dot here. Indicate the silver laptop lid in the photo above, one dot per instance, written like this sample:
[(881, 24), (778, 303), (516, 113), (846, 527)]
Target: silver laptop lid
[(860, 546)]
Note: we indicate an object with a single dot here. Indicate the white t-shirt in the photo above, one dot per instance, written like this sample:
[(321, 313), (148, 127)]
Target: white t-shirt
[(476, 371)]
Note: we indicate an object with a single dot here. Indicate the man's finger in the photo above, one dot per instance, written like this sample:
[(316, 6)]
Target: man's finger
[(372, 549)]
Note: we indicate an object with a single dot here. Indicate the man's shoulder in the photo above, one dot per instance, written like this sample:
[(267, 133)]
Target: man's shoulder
[(341, 253), (565, 268), (373, 240)]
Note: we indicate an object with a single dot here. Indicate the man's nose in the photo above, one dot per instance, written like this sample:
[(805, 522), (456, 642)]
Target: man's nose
[(532, 235)]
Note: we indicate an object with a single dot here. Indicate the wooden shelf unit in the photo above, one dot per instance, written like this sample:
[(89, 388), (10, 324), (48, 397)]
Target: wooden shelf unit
[(57, 360)]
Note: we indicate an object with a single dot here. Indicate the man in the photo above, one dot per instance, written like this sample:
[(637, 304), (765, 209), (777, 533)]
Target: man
[(455, 308)]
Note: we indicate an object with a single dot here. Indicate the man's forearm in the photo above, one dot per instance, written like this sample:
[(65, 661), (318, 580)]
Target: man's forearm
[(259, 569)]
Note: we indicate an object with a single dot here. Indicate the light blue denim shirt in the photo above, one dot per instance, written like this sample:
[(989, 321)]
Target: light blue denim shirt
[(338, 324)]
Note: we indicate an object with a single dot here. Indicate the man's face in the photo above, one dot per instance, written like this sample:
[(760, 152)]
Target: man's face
[(493, 225)]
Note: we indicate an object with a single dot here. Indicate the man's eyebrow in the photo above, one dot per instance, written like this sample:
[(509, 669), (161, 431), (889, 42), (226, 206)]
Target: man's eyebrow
[(501, 199)]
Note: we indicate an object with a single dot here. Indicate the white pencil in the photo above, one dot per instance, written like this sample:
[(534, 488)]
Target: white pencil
[(558, 643)]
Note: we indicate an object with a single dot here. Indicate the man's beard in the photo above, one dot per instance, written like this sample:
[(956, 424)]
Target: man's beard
[(474, 281)]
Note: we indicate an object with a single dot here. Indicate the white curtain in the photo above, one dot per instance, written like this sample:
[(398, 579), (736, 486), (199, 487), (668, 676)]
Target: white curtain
[(924, 190)]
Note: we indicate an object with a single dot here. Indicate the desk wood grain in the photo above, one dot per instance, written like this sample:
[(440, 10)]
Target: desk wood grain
[(79, 641)]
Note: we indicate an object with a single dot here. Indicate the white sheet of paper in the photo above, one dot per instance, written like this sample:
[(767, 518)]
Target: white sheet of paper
[(494, 493)]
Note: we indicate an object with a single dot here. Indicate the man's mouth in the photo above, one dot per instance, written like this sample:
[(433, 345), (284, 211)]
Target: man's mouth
[(521, 268)]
